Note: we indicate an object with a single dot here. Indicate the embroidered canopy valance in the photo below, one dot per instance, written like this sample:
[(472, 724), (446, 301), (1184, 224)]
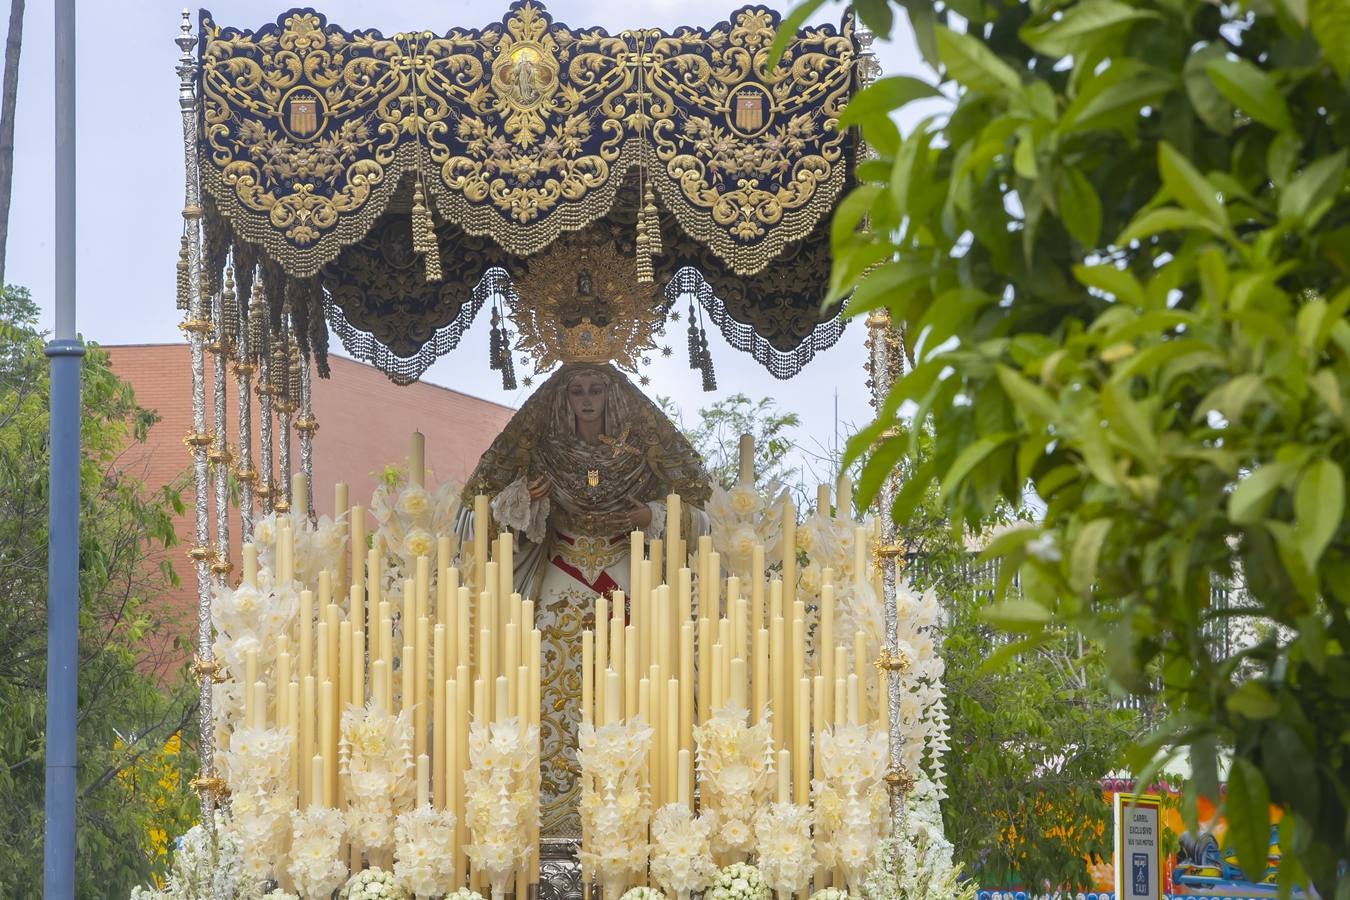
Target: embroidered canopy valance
[(389, 186)]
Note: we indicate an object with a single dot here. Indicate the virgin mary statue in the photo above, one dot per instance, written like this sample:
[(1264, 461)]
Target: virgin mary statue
[(587, 460)]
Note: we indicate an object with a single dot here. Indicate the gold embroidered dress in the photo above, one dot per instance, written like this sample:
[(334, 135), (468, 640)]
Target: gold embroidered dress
[(574, 543)]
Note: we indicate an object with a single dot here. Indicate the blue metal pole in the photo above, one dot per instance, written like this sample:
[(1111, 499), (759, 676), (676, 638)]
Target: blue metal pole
[(63, 548)]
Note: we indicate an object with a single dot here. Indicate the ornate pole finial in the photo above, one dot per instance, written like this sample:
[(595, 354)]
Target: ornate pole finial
[(187, 65)]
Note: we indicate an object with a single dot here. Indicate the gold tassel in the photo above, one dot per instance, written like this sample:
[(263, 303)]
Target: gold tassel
[(653, 223), (229, 311), (184, 302), (257, 324), (293, 392), (424, 234), (644, 253)]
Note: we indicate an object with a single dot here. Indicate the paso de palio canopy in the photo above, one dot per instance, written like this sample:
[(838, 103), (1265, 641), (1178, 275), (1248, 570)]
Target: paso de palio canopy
[(385, 188)]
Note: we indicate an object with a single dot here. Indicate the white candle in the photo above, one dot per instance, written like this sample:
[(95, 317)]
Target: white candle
[(417, 459)]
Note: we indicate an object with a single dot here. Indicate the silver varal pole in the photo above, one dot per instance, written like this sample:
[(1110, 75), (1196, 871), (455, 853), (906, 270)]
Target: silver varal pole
[(219, 454), (197, 326), (244, 472), (307, 425)]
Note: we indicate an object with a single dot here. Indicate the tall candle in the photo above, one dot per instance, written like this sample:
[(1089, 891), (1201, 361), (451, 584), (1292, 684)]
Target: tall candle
[(308, 711), (328, 739), (509, 665), (417, 460), (293, 726), (630, 672), (779, 696), (737, 678), (784, 776), (843, 494), (683, 794), (324, 670), (789, 551), (299, 497), (825, 646), (823, 499), (438, 732), (379, 680), (306, 648), (422, 587), (482, 525), (685, 595), (671, 747), (674, 532), (718, 682), (316, 777), (687, 685), (505, 565), (423, 776), (283, 679), (705, 664), (818, 721), (501, 704), (760, 685), (344, 666), (860, 669), (803, 747), (356, 539), (588, 677), (757, 586), (841, 673), (421, 656), (407, 688), (854, 714), (601, 632), (840, 701), (249, 556), (611, 697), (463, 628)]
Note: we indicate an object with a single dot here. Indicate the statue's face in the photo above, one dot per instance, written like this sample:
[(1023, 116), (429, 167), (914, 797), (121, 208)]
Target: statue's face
[(586, 396)]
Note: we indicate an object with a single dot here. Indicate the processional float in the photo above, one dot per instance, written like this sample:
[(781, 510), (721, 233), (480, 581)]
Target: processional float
[(386, 189)]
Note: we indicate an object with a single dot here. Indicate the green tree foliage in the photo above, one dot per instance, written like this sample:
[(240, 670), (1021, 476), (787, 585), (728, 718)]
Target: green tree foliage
[(1030, 742), (1120, 259), (132, 789), (716, 434)]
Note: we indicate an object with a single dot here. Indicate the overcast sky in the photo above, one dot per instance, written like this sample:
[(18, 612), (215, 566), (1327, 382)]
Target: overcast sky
[(130, 188)]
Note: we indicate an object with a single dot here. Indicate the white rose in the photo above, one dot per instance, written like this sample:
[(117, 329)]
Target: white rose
[(745, 500), (413, 502), (418, 543)]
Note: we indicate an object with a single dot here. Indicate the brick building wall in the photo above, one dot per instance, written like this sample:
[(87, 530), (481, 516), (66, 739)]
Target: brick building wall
[(364, 424)]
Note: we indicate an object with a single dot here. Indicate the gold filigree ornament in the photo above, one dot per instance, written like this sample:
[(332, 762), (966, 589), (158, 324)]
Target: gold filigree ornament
[(580, 301)]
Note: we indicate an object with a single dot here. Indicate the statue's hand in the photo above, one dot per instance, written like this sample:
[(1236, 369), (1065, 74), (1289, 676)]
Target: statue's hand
[(540, 488), (640, 514)]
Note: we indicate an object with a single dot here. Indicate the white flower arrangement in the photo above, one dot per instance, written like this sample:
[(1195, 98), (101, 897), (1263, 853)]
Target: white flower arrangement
[(643, 893), (425, 865), (502, 802), (408, 520), (745, 516), (831, 893), (463, 894), (681, 856), (207, 865), (373, 884), (783, 842), (316, 867), (375, 755), (916, 864), (851, 807), (257, 770), (739, 881), (735, 768), (614, 806)]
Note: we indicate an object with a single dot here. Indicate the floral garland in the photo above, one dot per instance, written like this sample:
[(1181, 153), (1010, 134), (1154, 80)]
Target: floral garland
[(615, 807), (923, 714), (851, 808), (425, 866), (375, 753), (316, 866), (735, 763), (681, 852), (783, 841), (739, 881), (502, 804)]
